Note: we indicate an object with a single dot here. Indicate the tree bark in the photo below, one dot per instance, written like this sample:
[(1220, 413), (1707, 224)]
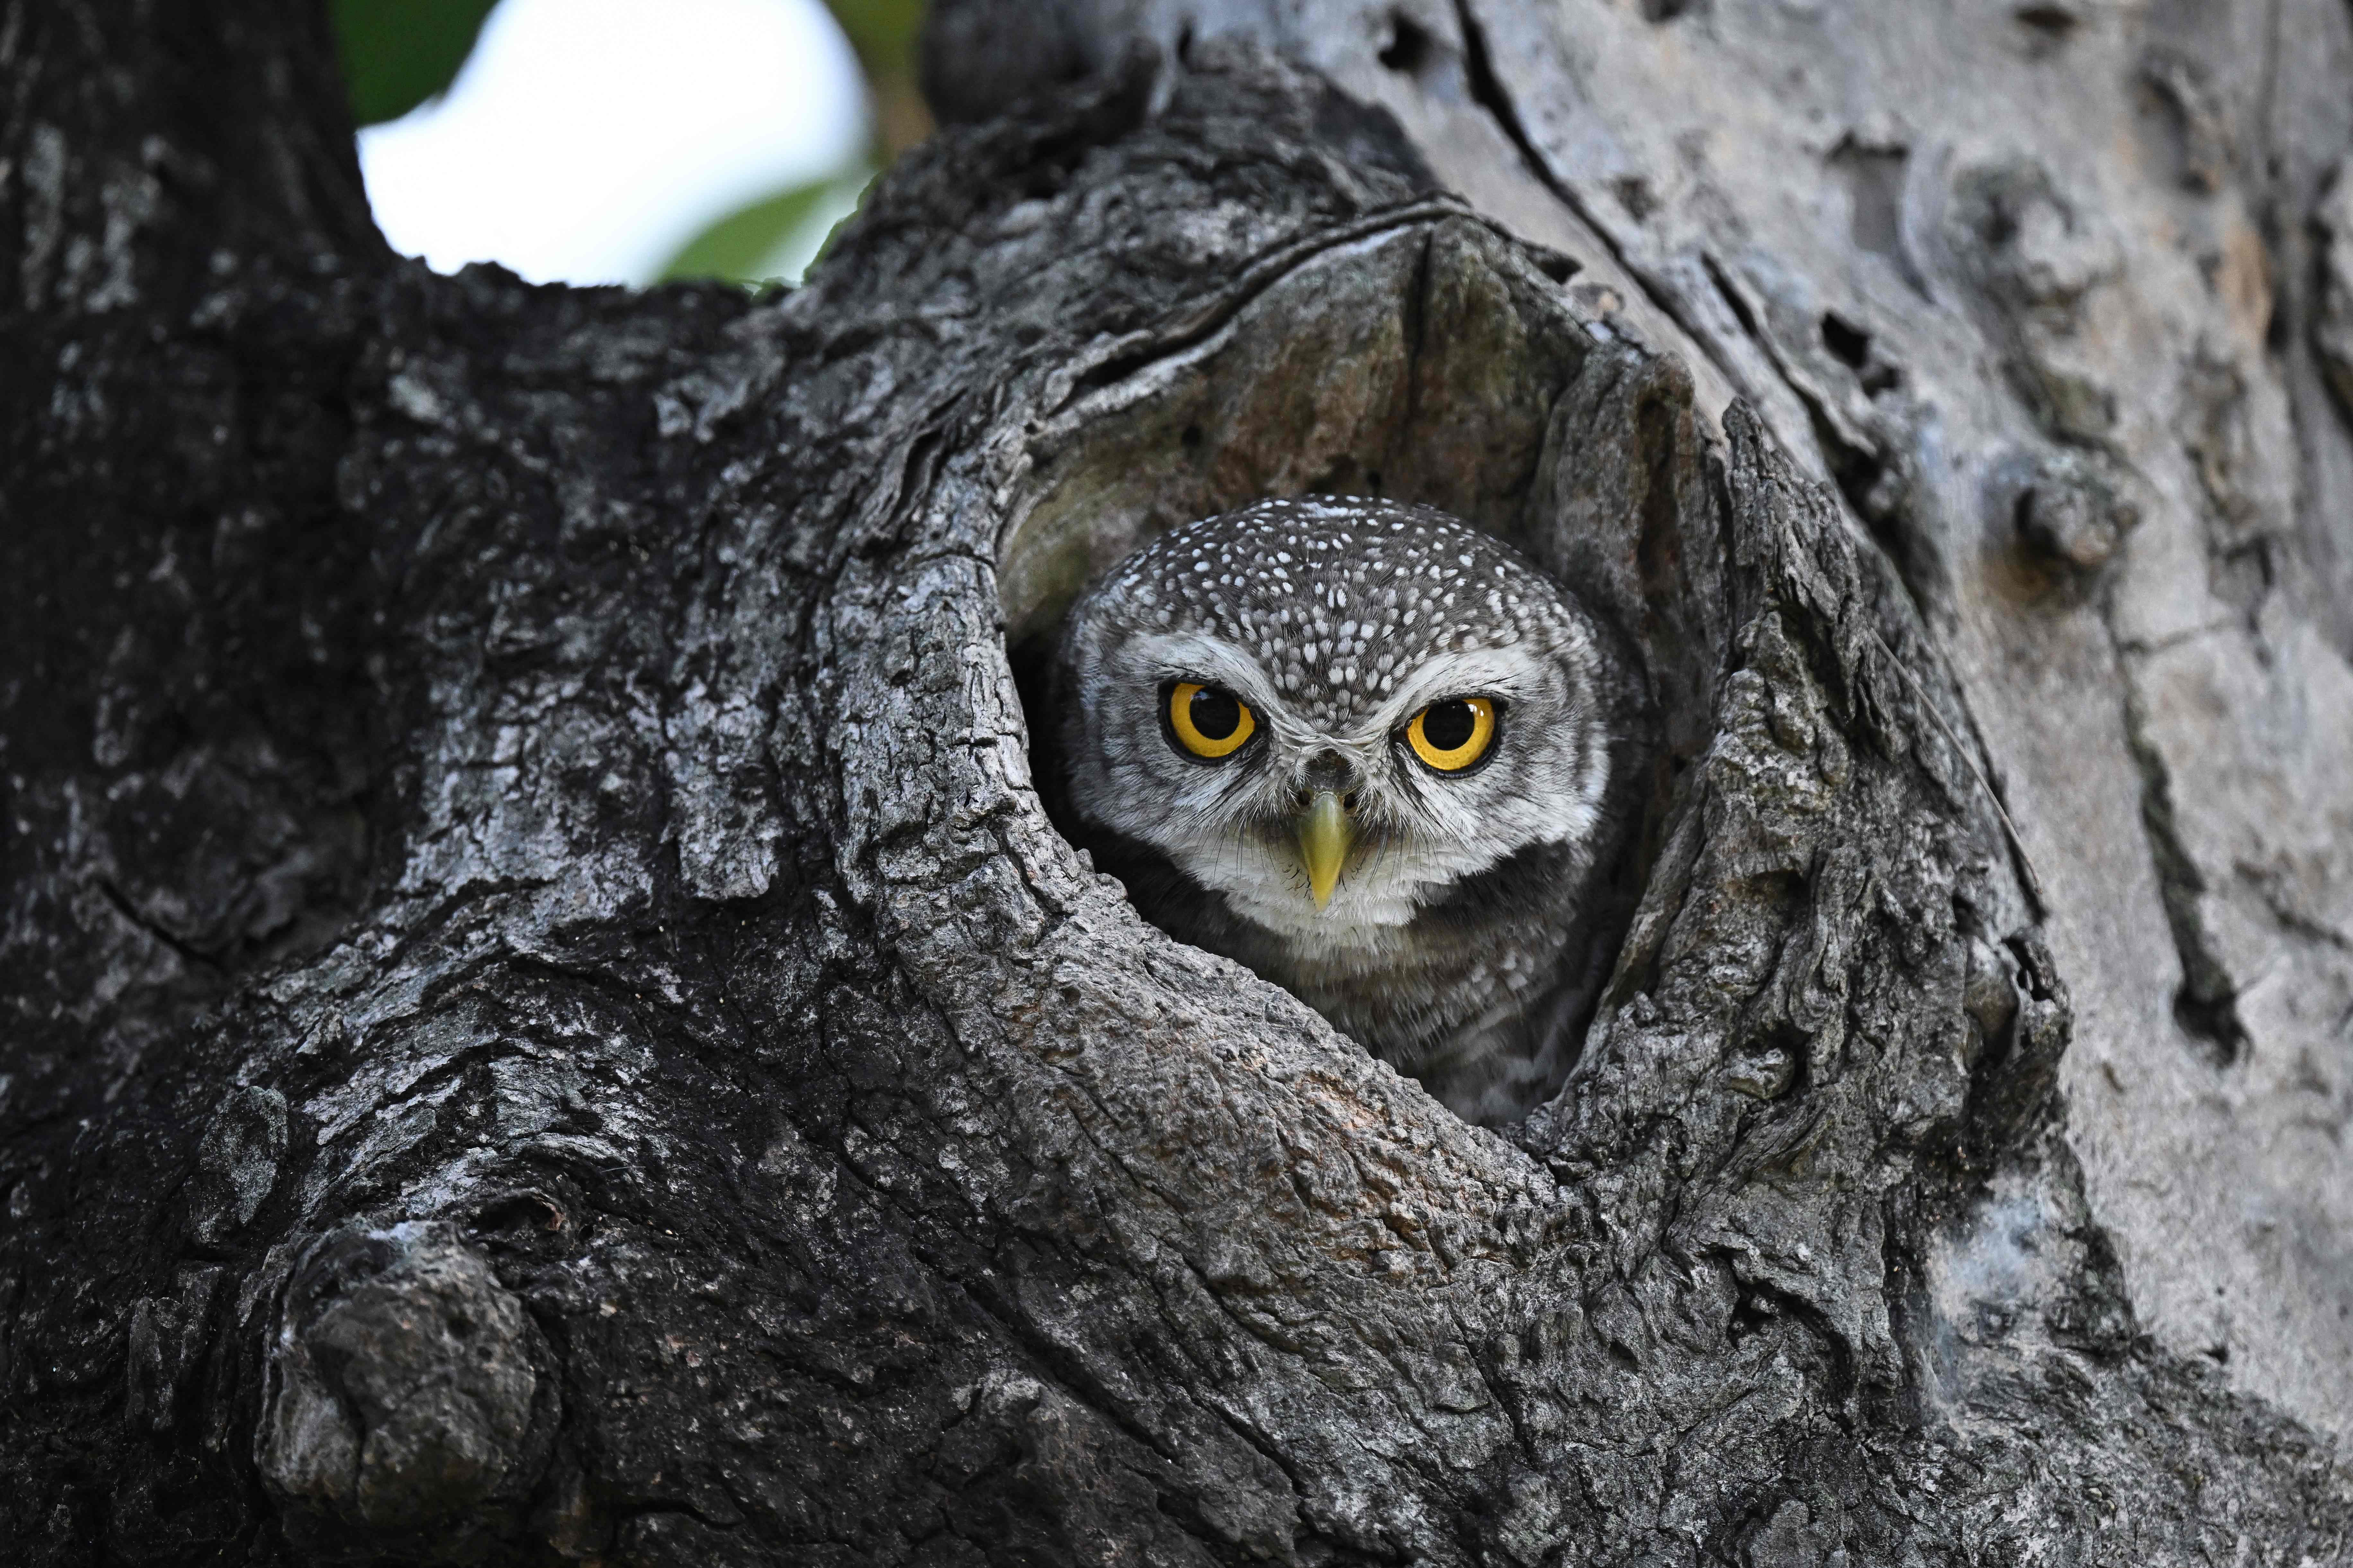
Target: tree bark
[(548, 1019)]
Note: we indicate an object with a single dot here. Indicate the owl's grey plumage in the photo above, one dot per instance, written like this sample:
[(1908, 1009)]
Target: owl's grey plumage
[(1361, 748)]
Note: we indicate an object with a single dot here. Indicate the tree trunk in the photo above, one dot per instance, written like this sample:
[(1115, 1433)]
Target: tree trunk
[(548, 1020)]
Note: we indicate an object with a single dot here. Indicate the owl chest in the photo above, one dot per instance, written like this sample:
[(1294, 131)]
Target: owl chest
[(1428, 990)]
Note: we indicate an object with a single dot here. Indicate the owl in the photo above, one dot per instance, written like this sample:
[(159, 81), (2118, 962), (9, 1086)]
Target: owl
[(1362, 748)]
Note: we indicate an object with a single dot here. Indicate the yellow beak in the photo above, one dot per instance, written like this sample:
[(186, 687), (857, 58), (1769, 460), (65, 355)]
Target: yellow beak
[(1324, 835)]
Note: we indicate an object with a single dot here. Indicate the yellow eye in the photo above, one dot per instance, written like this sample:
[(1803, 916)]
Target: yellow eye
[(1451, 735), (1208, 722)]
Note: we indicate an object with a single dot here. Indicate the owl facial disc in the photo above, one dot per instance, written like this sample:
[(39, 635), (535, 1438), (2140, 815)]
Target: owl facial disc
[(1329, 712)]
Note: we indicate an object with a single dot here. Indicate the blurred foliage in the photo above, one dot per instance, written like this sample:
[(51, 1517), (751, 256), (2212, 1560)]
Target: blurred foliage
[(739, 246), (397, 53), (882, 32)]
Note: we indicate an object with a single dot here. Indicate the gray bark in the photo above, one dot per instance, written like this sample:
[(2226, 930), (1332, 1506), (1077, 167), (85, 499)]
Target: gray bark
[(548, 1020), (2022, 280)]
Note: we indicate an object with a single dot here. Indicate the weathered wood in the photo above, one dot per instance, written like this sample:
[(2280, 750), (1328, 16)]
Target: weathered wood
[(2025, 281), (550, 1019)]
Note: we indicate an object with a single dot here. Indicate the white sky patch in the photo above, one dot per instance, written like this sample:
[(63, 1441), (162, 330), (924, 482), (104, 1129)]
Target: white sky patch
[(587, 140)]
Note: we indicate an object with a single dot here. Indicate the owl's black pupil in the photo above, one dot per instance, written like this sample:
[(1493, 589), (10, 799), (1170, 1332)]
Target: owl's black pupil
[(1448, 725), (1215, 714)]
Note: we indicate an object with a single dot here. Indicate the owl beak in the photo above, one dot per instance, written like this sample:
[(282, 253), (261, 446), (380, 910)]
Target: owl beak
[(1324, 835)]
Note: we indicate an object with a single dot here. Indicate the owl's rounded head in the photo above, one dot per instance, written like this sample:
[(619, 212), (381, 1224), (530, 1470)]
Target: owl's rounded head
[(1330, 711)]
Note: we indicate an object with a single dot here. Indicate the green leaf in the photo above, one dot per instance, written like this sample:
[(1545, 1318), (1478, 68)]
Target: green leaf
[(882, 31), (398, 53), (733, 248)]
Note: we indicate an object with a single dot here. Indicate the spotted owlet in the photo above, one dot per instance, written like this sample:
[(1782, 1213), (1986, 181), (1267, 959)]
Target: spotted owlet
[(1362, 748)]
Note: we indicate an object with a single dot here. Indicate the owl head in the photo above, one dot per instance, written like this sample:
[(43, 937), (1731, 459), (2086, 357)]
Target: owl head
[(1331, 710)]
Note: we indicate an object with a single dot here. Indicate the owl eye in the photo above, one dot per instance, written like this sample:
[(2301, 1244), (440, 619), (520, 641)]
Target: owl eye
[(1451, 735), (1207, 723)]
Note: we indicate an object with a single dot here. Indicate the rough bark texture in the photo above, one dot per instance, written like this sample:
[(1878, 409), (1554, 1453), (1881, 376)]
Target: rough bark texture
[(547, 1021)]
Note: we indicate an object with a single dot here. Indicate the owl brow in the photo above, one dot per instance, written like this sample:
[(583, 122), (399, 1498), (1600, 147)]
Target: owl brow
[(1237, 683)]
